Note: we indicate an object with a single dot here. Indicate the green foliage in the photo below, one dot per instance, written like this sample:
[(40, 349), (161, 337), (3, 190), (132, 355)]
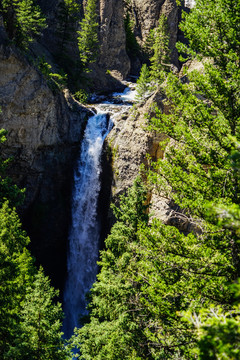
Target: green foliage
[(132, 46), (153, 276), (8, 191), (218, 328), (40, 329), (197, 170), (150, 273), (160, 61), (88, 35), (218, 333), (82, 96), (203, 114), (30, 321), (23, 20), (110, 334), (148, 45), (55, 81), (15, 276), (143, 83), (68, 13)]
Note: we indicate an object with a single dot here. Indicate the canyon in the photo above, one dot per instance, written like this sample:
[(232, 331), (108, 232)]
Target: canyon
[(45, 127)]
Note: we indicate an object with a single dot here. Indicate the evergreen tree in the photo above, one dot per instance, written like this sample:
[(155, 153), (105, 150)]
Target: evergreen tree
[(68, 13), (143, 82), (153, 274), (132, 46), (150, 273), (23, 20), (40, 329), (16, 271), (30, 322), (88, 35), (160, 61), (111, 333), (218, 328), (203, 117), (8, 191)]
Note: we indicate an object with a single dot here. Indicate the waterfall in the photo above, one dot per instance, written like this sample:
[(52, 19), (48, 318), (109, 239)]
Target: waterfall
[(85, 228)]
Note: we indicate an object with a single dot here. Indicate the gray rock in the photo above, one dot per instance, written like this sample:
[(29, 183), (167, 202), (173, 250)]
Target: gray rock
[(146, 14), (44, 131), (130, 144)]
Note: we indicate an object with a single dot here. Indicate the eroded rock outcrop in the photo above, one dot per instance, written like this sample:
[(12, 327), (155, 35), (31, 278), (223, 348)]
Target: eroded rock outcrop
[(44, 131), (130, 143), (113, 63), (146, 15)]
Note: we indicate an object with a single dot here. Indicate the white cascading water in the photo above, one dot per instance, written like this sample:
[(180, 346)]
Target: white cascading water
[(84, 234), (85, 229)]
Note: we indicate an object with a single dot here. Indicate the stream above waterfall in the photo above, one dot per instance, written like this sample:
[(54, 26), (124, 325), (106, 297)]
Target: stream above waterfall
[(84, 234)]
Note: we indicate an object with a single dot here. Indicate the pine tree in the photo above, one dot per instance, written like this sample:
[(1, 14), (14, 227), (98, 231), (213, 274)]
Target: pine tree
[(23, 20), (30, 322), (218, 328), (111, 333), (16, 271), (204, 114), (40, 329), (153, 274), (8, 191), (88, 35), (143, 82), (132, 46), (197, 169), (160, 61), (68, 12), (150, 273)]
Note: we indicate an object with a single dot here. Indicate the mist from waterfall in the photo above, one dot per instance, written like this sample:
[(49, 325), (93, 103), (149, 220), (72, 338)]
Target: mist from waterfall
[(85, 229)]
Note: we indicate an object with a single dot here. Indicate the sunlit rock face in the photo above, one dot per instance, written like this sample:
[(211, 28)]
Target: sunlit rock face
[(130, 142), (146, 13), (113, 64)]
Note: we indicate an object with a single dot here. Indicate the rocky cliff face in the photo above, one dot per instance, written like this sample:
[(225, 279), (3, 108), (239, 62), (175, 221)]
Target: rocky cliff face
[(131, 145), (44, 128), (44, 131), (146, 15), (113, 64), (130, 142)]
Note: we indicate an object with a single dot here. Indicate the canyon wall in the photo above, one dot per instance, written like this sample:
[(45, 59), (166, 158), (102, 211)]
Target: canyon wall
[(113, 63), (45, 126), (131, 144), (146, 15), (44, 131)]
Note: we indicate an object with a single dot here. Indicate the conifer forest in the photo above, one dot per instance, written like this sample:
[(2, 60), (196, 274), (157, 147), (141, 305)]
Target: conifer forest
[(120, 179)]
